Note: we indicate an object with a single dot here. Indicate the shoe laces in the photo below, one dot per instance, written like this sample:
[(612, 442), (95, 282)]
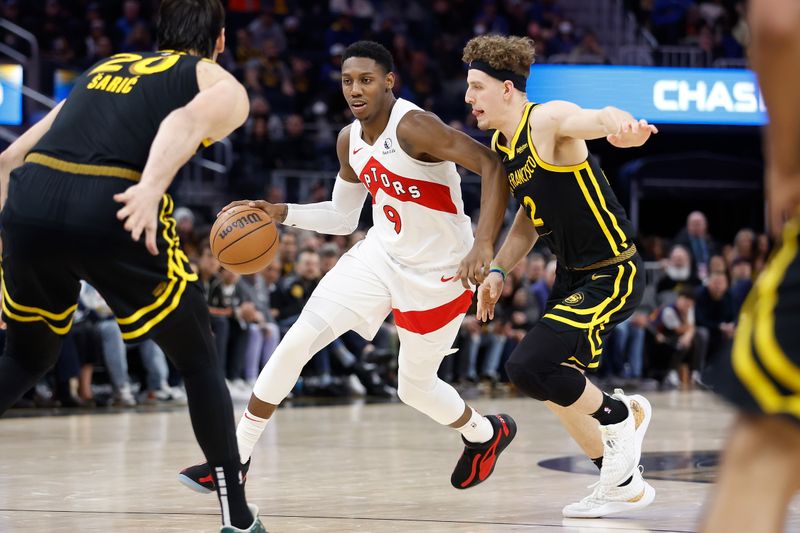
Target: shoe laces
[(600, 491)]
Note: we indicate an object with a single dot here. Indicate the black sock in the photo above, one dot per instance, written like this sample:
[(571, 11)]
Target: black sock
[(230, 491), (612, 411)]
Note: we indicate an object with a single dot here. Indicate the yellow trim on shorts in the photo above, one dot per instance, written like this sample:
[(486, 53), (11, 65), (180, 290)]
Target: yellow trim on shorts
[(82, 168), (603, 320), (598, 319), (758, 312), (20, 318), (175, 272), (36, 310), (772, 355), (12, 309)]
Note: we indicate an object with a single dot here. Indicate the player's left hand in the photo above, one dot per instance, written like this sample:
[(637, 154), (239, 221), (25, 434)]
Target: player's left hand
[(473, 268), (488, 294), (632, 133), (140, 213)]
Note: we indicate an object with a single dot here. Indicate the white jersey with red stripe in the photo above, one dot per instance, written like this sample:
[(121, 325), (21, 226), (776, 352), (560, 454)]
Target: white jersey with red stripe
[(417, 209)]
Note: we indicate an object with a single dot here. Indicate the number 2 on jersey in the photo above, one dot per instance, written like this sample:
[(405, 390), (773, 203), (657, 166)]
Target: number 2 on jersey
[(531, 205), (394, 217)]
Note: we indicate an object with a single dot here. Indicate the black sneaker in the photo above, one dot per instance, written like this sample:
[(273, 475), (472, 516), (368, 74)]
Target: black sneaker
[(199, 478), (478, 460)]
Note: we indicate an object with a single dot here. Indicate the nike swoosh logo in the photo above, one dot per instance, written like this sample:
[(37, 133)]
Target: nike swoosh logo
[(356, 150), (445, 280), (598, 276)]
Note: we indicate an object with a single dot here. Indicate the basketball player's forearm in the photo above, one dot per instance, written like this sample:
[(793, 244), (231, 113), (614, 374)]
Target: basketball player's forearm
[(339, 216), (776, 56), (518, 243), (494, 199), (175, 143)]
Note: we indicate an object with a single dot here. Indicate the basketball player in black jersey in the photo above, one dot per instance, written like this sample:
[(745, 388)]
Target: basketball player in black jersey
[(566, 200), (760, 470), (83, 196)]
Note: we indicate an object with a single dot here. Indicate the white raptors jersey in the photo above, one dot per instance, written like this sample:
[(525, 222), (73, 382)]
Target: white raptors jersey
[(417, 210)]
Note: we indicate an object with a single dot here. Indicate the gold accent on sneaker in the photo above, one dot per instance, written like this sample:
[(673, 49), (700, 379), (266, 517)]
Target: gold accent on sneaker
[(637, 498), (638, 413)]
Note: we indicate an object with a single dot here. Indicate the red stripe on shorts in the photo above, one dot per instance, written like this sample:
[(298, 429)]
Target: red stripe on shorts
[(423, 322)]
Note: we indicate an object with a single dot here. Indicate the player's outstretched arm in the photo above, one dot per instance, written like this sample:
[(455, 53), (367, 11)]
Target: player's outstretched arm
[(568, 120), (339, 216), (13, 156), (425, 134), (217, 109)]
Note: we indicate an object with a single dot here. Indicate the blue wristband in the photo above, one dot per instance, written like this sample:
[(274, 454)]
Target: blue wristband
[(499, 271)]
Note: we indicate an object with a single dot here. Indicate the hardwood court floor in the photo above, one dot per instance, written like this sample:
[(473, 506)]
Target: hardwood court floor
[(357, 468)]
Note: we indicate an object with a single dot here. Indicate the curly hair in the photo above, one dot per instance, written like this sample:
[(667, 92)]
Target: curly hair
[(501, 52)]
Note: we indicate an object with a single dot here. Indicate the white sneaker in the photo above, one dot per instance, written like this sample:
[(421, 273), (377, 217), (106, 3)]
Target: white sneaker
[(642, 414), (604, 500), (620, 453), (355, 386), (672, 380)]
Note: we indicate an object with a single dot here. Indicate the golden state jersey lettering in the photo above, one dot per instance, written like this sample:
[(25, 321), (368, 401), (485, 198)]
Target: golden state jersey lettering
[(573, 208), (139, 90), (521, 175), (135, 65)]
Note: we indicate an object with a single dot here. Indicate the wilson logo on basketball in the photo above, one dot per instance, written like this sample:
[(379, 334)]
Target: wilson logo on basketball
[(240, 222)]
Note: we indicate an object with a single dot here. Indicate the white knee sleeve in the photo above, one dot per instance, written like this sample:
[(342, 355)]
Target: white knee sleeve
[(419, 386), (306, 337)]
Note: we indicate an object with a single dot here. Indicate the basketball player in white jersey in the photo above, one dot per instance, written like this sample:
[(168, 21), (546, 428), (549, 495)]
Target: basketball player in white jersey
[(404, 158)]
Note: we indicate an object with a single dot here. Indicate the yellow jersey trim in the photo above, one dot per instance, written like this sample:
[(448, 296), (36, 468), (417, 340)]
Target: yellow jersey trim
[(598, 217), (611, 216), (510, 150), (82, 168)]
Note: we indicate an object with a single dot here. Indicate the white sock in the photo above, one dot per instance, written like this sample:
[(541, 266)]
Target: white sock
[(248, 432), (477, 429)]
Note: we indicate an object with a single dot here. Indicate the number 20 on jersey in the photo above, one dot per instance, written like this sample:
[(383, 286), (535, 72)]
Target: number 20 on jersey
[(103, 80)]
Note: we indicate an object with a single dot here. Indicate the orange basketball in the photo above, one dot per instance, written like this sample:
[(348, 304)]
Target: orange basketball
[(244, 239)]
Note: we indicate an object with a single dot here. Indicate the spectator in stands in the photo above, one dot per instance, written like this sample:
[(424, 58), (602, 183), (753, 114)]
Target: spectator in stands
[(744, 245), (588, 50), (741, 282), (695, 238), (245, 50), (288, 251), (542, 287), (229, 318), (715, 311), (295, 150), (762, 251), (676, 349), (267, 28), (677, 276), (131, 17)]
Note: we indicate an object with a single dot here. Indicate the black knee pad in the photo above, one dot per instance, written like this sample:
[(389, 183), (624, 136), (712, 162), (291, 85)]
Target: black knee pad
[(535, 368)]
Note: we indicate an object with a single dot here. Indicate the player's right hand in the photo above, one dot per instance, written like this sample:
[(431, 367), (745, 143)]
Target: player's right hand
[(276, 212), (140, 213), (488, 294)]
